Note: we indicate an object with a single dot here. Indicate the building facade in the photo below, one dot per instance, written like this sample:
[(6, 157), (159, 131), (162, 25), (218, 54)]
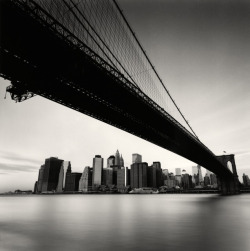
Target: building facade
[(138, 175), (72, 182), (107, 177), (110, 161), (51, 173), (97, 171), (40, 179), (85, 182), (136, 158), (200, 174), (177, 171)]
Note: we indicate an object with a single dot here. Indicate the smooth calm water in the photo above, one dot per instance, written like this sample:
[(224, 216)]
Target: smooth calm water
[(125, 222)]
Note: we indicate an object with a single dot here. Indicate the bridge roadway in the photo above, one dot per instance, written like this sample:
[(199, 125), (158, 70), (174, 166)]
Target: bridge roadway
[(39, 57)]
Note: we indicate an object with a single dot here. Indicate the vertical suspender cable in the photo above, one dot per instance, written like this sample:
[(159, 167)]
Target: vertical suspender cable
[(129, 27)]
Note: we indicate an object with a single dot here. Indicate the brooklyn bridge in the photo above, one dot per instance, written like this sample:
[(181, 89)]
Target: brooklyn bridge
[(83, 54)]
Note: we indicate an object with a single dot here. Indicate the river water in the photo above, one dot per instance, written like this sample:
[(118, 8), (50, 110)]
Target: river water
[(125, 222)]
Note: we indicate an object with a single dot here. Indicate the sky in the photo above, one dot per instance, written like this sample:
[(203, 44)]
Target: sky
[(201, 50)]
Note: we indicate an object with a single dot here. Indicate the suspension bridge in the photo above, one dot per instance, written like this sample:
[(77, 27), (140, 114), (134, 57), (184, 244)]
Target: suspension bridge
[(84, 55)]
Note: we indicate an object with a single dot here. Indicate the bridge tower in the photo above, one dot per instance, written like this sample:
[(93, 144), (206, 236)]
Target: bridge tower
[(229, 185)]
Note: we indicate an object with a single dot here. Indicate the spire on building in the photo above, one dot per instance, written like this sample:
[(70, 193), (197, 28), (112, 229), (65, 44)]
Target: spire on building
[(121, 161), (117, 158), (69, 168)]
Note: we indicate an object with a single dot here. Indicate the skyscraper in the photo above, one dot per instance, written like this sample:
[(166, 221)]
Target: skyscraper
[(67, 178), (110, 161), (200, 174), (178, 176), (85, 182), (66, 165), (246, 180), (117, 159), (107, 177), (207, 180), (194, 175), (155, 178), (121, 178), (35, 187), (40, 179), (51, 174), (136, 158), (186, 181), (194, 170), (72, 182), (177, 171), (151, 176), (60, 184), (138, 175), (121, 161), (213, 180), (97, 171), (195, 180), (159, 176), (165, 175), (165, 172)]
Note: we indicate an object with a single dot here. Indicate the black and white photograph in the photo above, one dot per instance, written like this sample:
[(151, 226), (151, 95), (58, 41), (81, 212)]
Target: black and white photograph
[(124, 125)]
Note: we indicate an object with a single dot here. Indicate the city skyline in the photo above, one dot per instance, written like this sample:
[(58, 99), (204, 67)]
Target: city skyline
[(204, 64), (57, 176), (198, 177)]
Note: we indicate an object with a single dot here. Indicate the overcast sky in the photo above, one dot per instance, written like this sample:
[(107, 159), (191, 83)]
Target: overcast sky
[(201, 49)]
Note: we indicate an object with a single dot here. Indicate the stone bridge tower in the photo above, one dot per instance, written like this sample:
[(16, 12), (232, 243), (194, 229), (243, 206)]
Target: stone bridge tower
[(229, 185)]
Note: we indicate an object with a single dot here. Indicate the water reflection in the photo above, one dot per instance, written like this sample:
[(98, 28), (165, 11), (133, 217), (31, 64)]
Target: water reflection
[(125, 222)]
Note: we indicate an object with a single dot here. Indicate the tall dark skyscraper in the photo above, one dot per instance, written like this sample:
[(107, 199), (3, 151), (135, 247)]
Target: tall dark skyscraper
[(159, 176), (50, 175), (155, 177), (67, 178), (72, 182), (152, 176), (138, 175), (186, 181), (107, 177)]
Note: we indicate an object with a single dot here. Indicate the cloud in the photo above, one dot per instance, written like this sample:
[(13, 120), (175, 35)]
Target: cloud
[(17, 168), (16, 157), (242, 153)]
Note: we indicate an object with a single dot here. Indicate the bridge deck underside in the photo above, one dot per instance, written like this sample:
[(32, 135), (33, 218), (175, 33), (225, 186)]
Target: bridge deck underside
[(37, 60)]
